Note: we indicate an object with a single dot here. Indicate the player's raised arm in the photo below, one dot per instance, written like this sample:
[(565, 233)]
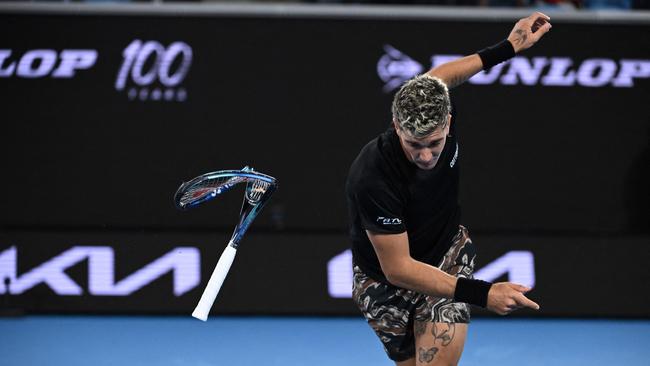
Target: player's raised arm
[(524, 35)]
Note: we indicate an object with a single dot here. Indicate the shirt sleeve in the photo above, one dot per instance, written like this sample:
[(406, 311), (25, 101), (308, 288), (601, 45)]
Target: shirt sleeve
[(380, 210)]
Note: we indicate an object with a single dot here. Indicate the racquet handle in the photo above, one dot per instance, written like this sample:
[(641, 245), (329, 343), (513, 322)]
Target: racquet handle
[(214, 284)]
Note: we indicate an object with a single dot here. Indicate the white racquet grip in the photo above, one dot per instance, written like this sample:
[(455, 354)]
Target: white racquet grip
[(214, 284)]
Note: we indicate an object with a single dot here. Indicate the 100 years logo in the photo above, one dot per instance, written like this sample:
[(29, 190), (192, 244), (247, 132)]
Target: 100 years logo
[(151, 71)]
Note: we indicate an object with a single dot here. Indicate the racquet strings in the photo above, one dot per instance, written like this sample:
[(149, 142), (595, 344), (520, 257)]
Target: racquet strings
[(255, 189), (208, 188)]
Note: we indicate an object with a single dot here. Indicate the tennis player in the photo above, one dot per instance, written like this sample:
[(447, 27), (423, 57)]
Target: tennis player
[(413, 261)]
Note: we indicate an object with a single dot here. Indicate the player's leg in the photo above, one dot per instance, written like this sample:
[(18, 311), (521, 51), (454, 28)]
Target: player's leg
[(440, 325), (389, 311), (439, 344)]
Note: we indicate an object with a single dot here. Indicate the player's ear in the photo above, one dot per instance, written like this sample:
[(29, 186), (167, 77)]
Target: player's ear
[(396, 125)]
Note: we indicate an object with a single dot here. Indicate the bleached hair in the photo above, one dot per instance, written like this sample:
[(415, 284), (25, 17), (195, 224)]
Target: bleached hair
[(421, 105)]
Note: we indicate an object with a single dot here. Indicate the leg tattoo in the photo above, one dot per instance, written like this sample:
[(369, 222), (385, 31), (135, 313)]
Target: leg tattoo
[(444, 334), (427, 355)]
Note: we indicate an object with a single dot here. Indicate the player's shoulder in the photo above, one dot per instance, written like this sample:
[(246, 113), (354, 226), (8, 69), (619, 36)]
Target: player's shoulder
[(370, 169)]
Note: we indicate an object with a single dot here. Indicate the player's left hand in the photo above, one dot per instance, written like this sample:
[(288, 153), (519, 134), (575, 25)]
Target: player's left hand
[(529, 30)]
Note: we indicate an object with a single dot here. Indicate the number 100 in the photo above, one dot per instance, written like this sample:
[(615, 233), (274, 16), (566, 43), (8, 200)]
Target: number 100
[(136, 55)]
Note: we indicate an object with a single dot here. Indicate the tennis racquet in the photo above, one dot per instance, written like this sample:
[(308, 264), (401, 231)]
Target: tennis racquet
[(259, 188)]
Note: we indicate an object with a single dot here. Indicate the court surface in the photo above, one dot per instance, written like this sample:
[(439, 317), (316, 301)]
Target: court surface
[(286, 341)]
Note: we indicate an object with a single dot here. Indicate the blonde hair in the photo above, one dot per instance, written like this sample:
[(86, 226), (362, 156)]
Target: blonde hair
[(421, 105)]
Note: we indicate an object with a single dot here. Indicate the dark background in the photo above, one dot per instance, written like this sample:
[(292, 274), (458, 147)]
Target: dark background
[(559, 171)]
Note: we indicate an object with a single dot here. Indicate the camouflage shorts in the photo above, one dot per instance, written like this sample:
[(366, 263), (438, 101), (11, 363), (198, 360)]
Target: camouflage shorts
[(391, 311)]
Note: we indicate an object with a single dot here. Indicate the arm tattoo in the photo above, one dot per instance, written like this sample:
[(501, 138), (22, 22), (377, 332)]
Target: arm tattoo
[(420, 327), (427, 355), (444, 334), (521, 36)]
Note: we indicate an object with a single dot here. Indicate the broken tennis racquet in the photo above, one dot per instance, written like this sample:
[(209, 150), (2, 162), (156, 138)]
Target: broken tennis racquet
[(259, 188)]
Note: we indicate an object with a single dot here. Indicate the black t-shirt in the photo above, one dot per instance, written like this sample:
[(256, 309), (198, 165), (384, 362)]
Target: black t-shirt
[(387, 194)]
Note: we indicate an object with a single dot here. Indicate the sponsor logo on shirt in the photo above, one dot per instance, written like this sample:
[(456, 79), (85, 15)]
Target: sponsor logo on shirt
[(453, 160), (389, 221)]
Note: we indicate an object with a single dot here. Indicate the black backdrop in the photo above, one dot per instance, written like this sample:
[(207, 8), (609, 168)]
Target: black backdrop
[(297, 98)]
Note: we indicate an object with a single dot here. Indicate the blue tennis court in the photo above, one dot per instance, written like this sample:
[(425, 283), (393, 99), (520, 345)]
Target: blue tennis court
[(181, 341)]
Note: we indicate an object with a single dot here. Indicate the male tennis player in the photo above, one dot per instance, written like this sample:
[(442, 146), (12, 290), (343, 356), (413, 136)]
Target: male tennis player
[(413, 261)]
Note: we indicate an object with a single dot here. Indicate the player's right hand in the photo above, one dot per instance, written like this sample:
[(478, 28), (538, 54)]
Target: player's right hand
[(506, 297)]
